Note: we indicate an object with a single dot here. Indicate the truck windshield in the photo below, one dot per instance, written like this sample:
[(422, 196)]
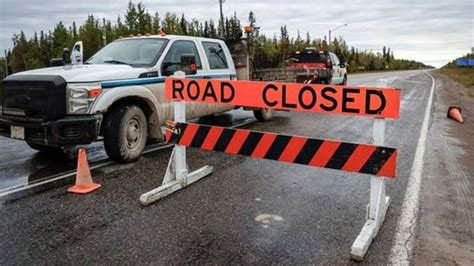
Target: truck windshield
[(134, 52)]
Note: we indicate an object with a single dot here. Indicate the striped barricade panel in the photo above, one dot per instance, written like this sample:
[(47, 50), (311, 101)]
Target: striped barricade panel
[(360, 158)]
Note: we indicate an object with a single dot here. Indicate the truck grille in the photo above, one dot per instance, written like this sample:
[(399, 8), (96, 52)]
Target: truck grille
[(33, 97)]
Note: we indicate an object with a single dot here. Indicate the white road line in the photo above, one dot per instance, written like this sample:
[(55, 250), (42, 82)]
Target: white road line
[(405, 234)]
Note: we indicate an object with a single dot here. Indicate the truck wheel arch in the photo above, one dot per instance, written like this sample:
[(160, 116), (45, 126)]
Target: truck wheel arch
[(142, 98)]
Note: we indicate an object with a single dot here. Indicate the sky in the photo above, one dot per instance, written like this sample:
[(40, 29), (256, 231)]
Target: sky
[(433, 32)]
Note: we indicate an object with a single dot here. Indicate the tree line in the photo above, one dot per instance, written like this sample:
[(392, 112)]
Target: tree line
[(38, 50)]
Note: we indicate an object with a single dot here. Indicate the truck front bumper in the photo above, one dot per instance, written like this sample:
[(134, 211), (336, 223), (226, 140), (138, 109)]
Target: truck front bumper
[(72, 130)]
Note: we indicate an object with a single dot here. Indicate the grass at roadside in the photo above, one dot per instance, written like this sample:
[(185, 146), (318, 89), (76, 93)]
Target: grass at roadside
[(464, 76)]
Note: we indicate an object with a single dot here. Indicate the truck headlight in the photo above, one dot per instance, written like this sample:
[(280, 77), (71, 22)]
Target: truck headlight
[(81, 96)]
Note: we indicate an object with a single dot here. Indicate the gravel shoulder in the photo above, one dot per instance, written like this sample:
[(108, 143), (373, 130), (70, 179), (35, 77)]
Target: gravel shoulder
[(445, 226)]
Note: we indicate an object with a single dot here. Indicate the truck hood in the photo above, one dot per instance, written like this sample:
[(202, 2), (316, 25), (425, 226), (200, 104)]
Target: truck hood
[(89, 73)]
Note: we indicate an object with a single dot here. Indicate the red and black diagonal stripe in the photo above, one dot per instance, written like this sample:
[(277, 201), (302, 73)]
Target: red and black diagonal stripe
[(360, 158)]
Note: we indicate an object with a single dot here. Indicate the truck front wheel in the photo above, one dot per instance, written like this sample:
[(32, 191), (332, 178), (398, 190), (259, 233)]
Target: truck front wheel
[(125, 133)]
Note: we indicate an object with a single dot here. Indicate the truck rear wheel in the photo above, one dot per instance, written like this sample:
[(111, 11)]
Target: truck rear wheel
[(125, 133), (264, 114), (44, 149)]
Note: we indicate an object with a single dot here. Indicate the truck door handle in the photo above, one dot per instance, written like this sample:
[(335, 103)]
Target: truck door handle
[(206, 77)]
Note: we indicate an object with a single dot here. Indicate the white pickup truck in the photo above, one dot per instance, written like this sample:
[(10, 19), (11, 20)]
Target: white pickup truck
[(118, 94)]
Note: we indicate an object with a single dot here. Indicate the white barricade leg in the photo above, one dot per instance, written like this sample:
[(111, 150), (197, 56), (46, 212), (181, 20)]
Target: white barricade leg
[(378, 202), (176, 176)]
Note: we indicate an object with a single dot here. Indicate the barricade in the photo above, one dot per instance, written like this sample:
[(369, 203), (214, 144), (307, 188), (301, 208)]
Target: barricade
[(376, 160)]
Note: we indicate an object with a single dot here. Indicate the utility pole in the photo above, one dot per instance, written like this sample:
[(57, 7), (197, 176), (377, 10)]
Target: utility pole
[(248, 31), (104, 32), (222, 18), (6, 63)]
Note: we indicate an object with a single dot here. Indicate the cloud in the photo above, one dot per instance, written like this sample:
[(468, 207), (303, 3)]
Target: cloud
[(430, 32)]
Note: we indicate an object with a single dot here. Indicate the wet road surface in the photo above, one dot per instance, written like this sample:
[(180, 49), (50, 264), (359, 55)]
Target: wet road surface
[(248, 211), (21, 166)]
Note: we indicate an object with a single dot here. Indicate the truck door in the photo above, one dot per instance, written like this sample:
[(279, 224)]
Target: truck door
[(218, 64), (77, 53), (172, 63)]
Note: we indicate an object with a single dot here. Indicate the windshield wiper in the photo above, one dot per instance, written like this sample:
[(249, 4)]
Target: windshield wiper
[(115, 62)]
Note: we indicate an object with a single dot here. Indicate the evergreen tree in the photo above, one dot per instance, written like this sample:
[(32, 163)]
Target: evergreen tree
[(236, 28), (170, 23), (61, 39), (131, 18), (20, 48), (183, 26), (388, 56), (284, 44), (91, 36), (307, 42), (156, 23), (142, 19), (213, 33), (74, 31), (206, 30), (121, 29)]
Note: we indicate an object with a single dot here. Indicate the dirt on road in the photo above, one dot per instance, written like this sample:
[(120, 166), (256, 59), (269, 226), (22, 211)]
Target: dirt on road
[(445, 225)]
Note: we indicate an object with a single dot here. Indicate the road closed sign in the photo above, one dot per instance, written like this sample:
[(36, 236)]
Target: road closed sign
[(319, 98)]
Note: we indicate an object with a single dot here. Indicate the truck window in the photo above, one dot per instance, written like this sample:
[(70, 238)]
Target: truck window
[(215, 55), (172, 61)]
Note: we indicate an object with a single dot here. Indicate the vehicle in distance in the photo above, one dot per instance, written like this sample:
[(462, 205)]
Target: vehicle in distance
[(309, 66), (118, 94)]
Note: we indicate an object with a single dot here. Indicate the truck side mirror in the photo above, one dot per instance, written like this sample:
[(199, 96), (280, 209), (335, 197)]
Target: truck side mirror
[(56, 62), (188, 64), (77, 54)]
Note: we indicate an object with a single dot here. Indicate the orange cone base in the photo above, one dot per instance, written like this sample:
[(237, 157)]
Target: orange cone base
[(83, 189)]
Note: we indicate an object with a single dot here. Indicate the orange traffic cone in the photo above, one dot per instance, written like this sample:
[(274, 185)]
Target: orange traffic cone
[(455, 114), (84, 183)]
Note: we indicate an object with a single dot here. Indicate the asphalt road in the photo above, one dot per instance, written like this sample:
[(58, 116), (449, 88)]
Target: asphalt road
[(21, 166), (248, 211)]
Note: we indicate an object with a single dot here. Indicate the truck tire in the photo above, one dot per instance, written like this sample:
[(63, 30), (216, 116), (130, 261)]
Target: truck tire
[(125, 133), (44, 148), (264, 114)]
